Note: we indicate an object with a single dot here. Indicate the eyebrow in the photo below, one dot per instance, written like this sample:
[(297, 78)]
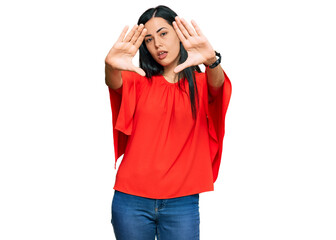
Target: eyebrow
[(148, 35)]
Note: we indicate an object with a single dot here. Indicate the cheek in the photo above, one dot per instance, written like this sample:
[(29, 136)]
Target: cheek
[(151, 50), (175, 46), (176, 43)]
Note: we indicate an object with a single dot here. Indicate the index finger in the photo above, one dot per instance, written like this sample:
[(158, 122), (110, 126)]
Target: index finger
[(179, 33)]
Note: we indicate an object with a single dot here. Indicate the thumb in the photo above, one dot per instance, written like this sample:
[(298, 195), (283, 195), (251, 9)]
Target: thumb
[(139, 71), (180, 67)]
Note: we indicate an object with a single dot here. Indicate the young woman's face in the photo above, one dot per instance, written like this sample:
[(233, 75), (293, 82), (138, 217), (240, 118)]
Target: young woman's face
[(162, 38)]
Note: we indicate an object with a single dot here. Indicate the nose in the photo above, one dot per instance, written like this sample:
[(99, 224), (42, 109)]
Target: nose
[(157, 43)]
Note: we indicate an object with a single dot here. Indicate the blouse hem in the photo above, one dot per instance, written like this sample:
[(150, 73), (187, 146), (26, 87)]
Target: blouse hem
[(164, 197)]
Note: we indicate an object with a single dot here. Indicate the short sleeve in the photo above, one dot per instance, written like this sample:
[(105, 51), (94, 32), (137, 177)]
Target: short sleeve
[(123, 101), (216, 108)]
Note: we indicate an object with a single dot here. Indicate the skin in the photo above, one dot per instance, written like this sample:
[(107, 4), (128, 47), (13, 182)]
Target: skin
[(196, 44), (161, 36), (199, 51)]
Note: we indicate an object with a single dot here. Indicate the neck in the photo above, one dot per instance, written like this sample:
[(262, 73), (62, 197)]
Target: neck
[(169, 73), (170, 76)]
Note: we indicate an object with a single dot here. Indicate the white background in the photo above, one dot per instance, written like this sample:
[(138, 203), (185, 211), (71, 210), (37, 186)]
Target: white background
[(277, 176)]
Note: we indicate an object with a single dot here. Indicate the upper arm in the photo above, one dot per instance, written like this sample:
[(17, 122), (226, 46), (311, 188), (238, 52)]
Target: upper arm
[(213, 92), (118, 90), (116, 86)]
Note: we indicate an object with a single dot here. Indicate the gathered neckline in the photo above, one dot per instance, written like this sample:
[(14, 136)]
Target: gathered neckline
[(168, 83)]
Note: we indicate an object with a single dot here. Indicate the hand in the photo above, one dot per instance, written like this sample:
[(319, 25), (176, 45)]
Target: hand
[(121, 54), (195, 43)]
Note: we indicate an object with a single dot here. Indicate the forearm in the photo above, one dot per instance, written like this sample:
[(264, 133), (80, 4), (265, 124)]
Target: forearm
[(112, 77), (215, 75)]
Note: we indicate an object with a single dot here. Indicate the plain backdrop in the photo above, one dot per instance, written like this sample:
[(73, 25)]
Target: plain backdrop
[(277, 176)]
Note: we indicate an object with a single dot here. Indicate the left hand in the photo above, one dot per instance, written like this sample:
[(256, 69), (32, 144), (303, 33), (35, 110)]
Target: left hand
[(195, 43)]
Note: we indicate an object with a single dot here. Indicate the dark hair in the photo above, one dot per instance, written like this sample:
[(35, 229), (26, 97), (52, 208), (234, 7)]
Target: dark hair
[(152, 68)]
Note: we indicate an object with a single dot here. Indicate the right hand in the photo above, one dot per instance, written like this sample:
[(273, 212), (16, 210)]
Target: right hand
[(121, 54)]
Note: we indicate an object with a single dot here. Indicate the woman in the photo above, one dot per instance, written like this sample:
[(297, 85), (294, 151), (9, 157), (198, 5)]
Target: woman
[(168, 121)]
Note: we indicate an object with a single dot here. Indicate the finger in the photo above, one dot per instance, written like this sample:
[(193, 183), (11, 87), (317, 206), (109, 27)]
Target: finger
[(182, 28), (198, 30), (139, 71), (179, 33), (130, 34), (190, 30), (137, 33), (141, 38), (123, 33), (181, 67)]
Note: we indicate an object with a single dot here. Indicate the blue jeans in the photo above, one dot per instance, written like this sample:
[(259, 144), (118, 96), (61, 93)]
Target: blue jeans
[(139, 218)]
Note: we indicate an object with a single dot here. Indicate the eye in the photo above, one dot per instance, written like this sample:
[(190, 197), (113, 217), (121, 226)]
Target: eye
[(164, 33), (148, 40)]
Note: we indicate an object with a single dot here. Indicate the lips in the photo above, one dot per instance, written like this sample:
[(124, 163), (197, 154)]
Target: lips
[(162, 54)]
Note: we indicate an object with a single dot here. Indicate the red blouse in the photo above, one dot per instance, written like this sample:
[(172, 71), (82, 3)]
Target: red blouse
[(167, 153)]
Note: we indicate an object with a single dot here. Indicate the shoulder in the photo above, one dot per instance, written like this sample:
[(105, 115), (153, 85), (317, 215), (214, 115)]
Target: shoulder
[(200, 78), (199, 74), (132, 77), (133, 80)]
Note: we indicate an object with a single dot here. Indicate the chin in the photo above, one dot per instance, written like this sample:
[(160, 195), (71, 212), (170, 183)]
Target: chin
[(164, 63)]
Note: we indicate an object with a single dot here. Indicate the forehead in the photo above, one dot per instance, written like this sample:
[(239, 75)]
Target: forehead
[(154, 24)]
